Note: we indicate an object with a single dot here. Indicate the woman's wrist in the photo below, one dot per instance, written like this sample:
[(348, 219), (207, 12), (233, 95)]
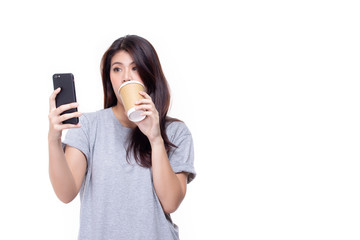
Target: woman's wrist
[(53, 139), (157, 141)]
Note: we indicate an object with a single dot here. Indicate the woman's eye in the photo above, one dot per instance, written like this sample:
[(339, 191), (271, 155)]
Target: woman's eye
[(134, 68), (117, 69)]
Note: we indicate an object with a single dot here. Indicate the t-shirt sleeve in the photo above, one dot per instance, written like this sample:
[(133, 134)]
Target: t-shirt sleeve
[(182, 157), (79, 137)]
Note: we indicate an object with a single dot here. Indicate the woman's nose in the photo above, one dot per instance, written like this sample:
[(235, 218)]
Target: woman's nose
[(127, 76)]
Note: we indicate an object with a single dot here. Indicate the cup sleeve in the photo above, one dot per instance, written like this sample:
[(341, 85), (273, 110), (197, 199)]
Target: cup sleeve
[(181, 157)]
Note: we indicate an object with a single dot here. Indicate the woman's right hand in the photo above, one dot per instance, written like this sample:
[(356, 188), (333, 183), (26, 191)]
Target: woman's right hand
[(55, 119)]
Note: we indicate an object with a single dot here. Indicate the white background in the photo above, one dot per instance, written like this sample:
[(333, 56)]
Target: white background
[(269, 89)]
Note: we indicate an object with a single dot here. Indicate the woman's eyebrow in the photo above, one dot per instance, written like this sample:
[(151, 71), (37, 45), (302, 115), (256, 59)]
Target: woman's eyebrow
[(117, 63), (121, 63)]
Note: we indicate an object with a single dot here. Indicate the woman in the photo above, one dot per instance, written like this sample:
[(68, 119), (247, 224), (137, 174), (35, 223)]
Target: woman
[(130, 175)]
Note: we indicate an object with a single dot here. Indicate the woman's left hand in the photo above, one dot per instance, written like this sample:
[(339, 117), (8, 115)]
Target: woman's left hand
[(150, 126)]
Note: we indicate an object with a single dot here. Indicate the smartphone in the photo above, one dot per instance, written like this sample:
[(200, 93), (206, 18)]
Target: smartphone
[(67, 94)]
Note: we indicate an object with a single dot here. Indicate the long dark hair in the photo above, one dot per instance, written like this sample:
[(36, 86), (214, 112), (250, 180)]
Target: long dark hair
[(150, 71)]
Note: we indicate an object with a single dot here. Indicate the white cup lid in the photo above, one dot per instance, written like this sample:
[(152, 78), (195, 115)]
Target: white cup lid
[(135, 115)]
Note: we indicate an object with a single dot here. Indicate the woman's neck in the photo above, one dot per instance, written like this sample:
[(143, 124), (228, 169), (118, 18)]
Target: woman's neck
[(121, 116)]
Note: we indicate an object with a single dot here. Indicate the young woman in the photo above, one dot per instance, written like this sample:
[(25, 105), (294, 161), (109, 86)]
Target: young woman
[(130, 175)]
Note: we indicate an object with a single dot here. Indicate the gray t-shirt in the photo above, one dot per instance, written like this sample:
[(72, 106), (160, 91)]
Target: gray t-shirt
[(118, 199)]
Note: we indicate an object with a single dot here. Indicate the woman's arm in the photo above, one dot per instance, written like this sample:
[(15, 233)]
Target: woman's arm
[(170, 187), (66, 170)]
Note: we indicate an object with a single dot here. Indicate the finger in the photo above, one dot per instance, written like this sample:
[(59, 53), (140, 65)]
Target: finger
[(67, 116), (143, 101), (144, 107), (145, 95), (65, 107), (52, 98), (146, 113), (69, 125), (54, 115)]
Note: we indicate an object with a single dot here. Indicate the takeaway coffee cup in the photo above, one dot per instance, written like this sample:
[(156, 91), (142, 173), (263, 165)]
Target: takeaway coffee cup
[(129, 94)]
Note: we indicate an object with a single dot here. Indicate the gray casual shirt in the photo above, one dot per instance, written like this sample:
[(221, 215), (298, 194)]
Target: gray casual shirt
[(118, 199)]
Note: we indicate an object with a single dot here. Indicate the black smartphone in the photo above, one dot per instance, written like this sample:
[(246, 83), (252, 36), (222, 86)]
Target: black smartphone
[(67, 94)]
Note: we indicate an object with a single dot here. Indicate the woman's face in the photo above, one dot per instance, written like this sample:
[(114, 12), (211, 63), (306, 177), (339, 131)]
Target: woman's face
[(122, 69)]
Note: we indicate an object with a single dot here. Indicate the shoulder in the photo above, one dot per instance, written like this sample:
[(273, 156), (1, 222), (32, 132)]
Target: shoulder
[(177, 128), (91, 118)]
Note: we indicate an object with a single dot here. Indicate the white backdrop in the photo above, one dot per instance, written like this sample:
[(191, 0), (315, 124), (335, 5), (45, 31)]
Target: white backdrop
[(269, 89)]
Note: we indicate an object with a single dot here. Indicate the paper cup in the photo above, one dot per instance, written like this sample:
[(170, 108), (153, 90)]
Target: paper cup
[(129, 94)]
